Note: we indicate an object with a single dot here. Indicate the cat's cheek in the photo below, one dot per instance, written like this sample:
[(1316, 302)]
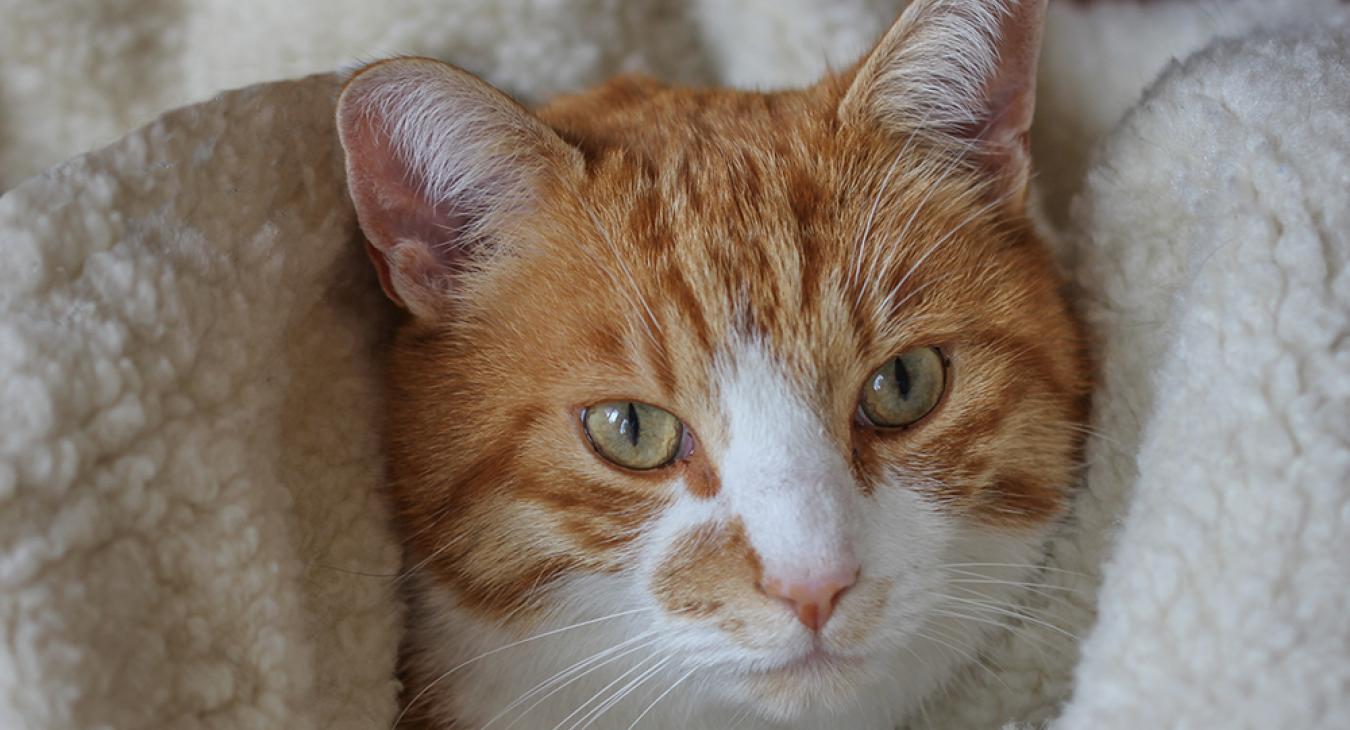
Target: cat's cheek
[(708, 576), (691, 568), (859, 614)]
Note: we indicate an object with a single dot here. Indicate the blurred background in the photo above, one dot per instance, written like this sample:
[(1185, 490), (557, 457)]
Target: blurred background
[(77, 74)]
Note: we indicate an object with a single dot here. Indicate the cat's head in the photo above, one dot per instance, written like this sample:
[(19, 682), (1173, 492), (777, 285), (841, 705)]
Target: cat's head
[(782, 383)]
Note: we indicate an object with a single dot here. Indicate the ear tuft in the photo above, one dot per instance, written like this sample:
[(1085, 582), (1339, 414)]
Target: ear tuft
[(438, 162), (960, 73)]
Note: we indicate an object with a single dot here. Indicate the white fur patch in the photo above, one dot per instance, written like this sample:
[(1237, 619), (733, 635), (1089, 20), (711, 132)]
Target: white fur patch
[(780, 474)]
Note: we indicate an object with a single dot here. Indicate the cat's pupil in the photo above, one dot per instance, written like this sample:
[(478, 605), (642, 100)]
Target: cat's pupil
[(631, 423), (902, 380)]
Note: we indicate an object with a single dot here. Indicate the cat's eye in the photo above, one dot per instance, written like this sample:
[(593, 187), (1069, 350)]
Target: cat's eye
[(903, 390), (634, 435)]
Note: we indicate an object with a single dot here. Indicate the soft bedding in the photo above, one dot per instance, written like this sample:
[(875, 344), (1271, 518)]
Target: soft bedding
[(190, 530)]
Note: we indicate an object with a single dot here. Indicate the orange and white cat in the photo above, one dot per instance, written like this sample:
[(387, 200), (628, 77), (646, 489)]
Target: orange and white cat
[(714, 408)]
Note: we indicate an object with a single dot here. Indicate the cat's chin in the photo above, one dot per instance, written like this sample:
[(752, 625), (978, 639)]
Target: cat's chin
[(812, 664), (814, 684)]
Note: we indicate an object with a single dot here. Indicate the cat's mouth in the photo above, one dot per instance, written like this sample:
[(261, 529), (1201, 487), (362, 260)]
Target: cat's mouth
[(785, 690), (814, 663)]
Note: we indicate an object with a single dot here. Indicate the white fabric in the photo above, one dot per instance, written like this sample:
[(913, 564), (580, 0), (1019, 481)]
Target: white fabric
[(187, 432), (189, 535), (1214, 264)]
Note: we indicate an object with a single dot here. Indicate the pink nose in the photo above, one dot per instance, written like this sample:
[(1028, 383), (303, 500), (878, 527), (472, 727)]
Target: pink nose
[(813, 600)]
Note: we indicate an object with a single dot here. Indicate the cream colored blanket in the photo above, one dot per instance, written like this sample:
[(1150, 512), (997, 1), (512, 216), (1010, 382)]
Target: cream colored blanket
[(189, 531)]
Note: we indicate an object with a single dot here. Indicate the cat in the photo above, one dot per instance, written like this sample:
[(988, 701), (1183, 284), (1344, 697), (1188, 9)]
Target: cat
[(714, 408)]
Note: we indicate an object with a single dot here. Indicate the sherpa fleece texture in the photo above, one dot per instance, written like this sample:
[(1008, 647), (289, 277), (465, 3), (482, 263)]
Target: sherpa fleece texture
[(1215, 258), (188, 448), (188, 339)]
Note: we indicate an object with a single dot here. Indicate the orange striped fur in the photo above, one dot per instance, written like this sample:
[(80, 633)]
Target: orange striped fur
[(675, 247)]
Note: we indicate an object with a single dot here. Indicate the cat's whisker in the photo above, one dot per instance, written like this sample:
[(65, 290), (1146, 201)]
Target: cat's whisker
[(525, 713), (866, 287), (1081, 427), (1031, 567), (871, 217), (406, 574), (633, 293), (1085, 429), (635, 669), (348, 571), (973, 576), (432, 520), (969, 576), (861, 252), (648, 322), (928, 666), (857, 702), (740, 718), (635, 302), (571, 674), (622, 693), (609, 243), (971, 218), (1038, 589), (1011, 613), (917, 656), (945, 691), (1037, 641), (896, 326), (888, 307), (922, 708), (964, 653), (527, 601), (1028, 611), (661, 696), (1026, 626), (953, 164), (553, 632)]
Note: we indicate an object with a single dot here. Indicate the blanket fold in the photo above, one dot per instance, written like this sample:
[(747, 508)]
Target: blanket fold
[(1216, 235), (188, 449)]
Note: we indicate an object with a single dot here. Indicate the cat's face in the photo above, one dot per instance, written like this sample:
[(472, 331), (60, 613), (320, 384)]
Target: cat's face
[(770, 395)]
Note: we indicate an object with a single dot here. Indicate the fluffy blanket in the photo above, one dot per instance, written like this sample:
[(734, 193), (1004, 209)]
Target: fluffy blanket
[(189, 532)]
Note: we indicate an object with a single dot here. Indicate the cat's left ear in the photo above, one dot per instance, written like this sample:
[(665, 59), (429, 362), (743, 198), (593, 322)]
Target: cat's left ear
[(962, 75)]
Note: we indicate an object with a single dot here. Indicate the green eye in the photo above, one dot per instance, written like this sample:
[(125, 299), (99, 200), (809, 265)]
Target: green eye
[(633, 435), (905, 389)]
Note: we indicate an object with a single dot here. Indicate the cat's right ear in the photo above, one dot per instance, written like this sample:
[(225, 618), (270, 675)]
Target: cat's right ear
[(438, 164)]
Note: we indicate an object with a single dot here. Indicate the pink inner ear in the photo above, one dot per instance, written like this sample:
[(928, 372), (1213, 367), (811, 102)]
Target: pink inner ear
[(1005, 147), (414, 243), (1011, 93), (382, 271), (439, 163)]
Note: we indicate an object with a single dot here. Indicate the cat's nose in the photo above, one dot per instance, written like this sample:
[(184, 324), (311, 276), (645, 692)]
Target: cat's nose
[(812, 599)]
